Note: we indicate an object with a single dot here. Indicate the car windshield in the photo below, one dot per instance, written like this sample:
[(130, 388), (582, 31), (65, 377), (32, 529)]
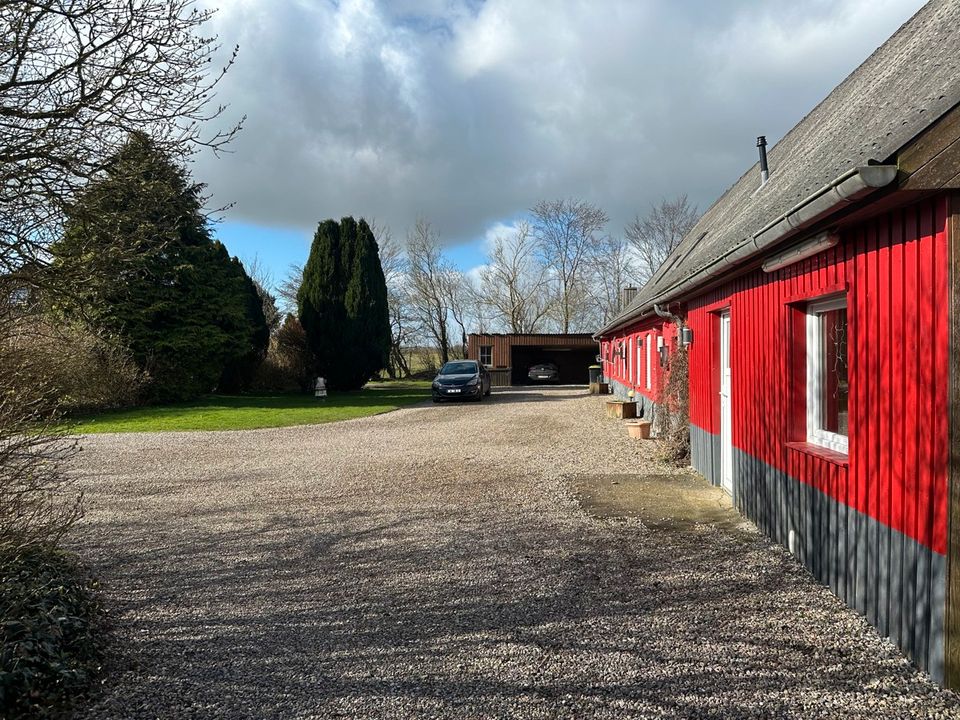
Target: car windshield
[(458, 368)]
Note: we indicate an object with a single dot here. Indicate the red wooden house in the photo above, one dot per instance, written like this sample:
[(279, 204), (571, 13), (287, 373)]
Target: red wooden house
[(821, 310)]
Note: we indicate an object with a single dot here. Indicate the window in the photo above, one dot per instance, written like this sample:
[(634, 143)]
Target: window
[(649, 363), (486, 355), (827, 368), (639, 355)]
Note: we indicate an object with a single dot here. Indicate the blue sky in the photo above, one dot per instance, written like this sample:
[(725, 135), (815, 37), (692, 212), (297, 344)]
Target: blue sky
[(467, 113), (278, 248)]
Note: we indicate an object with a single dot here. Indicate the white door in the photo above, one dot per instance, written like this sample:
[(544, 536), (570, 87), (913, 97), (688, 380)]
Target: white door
[(726, 439)]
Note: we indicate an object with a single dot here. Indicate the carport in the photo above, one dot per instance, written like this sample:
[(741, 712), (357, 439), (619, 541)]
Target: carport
[(509, 357), (572, 363)]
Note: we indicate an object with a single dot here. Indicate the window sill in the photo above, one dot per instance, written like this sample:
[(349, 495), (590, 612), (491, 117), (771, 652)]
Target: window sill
[(831, 456)]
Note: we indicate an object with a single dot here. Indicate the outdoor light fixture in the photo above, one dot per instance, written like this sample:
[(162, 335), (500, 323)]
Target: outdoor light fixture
[(686, 336), (814, 246)]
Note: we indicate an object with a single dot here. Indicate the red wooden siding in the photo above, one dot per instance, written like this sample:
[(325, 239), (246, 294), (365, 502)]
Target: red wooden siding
[(894, 272), (626, 363)]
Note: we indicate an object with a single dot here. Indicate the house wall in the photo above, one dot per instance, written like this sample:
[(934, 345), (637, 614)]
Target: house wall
[(872, 525), (625, 362)]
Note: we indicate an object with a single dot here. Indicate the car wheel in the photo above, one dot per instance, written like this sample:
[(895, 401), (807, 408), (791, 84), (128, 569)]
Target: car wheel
[(436, 400)]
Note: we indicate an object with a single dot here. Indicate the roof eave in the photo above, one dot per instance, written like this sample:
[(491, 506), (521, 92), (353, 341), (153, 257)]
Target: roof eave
[(849, 187)]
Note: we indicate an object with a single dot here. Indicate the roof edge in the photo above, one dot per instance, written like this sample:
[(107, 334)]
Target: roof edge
[(847, 188)]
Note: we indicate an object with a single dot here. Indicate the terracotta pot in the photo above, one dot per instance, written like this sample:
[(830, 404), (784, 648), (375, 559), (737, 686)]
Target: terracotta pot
[(639, 429)]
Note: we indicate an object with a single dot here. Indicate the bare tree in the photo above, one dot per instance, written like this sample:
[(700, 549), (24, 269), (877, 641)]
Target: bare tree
[(263, 281), (289, 288), (402, 317), (427, 276), (614, 268), (566, 233), (76, 79), (658, 233), (514, 284), (459, 295)]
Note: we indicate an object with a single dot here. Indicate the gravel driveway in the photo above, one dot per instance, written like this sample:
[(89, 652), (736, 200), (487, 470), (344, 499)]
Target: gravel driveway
[(433, 562)]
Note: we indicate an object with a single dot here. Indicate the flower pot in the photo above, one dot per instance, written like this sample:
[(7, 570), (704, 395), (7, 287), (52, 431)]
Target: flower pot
[(639, 429), (620, 409)]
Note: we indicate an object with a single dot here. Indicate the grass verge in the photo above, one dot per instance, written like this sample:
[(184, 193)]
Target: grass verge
[(248, 412)]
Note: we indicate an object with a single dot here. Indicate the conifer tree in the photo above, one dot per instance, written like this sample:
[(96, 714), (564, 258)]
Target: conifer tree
[(343, 304), (366, 306), (138, 250)]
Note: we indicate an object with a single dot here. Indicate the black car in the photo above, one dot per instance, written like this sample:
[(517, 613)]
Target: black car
[(544, 372), (461, 380)]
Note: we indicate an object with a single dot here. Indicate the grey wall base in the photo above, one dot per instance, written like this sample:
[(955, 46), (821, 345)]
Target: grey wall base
[(705, 454), (646, 408), (898, 584)]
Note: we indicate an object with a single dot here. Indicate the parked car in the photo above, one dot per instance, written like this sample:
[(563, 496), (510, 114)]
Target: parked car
[(461, 380), (544, 372)]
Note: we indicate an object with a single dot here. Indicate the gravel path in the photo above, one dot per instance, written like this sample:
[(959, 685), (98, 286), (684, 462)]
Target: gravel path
[(432, 563)]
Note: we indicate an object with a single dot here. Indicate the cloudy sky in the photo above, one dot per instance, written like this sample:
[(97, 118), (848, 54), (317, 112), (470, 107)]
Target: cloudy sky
[(466, 112)]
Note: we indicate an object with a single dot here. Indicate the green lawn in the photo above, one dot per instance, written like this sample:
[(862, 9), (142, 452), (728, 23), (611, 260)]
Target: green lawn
[(246, 412)]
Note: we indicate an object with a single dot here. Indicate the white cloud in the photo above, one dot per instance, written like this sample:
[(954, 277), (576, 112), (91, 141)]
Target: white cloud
[(467, 113)]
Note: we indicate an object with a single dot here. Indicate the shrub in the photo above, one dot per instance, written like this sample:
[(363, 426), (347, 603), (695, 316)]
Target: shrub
[(288, 362), (673, 414), (272, 376), (37, 504), (50, 620), (80, 368)]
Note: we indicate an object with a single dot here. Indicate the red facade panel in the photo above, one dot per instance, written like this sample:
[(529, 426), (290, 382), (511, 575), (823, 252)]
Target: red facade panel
[(625, 362), (894, 273)]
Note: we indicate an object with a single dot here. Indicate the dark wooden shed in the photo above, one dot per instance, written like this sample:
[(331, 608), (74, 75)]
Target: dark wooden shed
[(509, 356)]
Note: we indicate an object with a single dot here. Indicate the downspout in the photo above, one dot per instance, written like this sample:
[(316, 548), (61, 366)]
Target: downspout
[(664, 313)]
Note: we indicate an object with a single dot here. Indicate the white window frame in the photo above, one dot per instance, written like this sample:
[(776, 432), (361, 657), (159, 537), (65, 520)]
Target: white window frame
[(637, 359), (486, 347), (649, 342), (816, 435)]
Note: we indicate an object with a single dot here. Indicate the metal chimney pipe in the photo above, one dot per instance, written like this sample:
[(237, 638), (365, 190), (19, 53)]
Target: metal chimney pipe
[(764, 172)]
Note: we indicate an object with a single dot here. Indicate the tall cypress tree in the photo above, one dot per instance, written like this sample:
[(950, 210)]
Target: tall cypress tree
[(366, 304), (138, 247), (320, 300), (343, 304)]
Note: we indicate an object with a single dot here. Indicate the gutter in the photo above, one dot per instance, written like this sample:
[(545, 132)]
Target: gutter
[(850, 187)]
